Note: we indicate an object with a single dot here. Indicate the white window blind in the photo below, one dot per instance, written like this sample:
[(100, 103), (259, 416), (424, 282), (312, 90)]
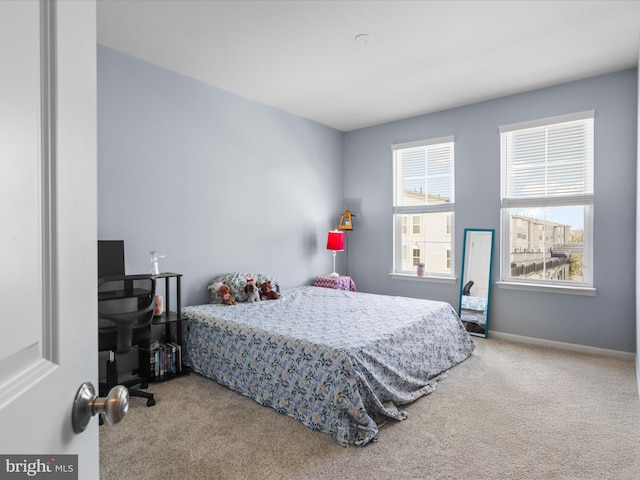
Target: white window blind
[(550, 164), (424, 175)]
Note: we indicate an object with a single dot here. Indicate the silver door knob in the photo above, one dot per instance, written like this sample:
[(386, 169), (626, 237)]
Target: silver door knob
[(113, 407)]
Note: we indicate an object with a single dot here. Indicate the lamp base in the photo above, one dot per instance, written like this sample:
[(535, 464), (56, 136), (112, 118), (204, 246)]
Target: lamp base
[(334, 274)]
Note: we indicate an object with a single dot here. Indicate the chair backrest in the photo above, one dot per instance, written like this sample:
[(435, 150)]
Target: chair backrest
[(128, 302)]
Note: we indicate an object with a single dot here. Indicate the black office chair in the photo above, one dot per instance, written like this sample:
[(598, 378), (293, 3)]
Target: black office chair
[(125, 311), (467, 288)]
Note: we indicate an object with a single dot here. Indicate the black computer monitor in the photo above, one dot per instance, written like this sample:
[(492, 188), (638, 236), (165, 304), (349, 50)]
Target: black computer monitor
[(110, 258)]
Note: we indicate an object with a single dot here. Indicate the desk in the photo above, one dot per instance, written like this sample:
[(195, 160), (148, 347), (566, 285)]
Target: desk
[(338, 283), (127, 290)]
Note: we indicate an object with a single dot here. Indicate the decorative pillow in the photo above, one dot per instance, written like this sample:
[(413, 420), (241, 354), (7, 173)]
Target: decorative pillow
[(236, 281)]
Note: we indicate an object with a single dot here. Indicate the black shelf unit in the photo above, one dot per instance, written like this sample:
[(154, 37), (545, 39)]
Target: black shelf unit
[(171, 316)]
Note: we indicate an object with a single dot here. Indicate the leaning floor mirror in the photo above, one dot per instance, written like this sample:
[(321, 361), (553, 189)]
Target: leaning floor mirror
[(475, 287)]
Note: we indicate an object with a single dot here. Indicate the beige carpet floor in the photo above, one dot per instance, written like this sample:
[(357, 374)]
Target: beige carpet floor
[(511, 411)]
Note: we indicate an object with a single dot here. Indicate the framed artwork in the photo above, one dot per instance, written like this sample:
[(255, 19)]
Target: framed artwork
[(346, 222)]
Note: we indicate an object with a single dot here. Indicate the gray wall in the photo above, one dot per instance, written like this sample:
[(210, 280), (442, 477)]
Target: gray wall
[(220, 183), (214, 181), (606, 320)]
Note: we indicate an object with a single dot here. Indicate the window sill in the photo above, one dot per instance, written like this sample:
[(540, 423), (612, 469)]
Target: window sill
[(426, 278), (562, 289)]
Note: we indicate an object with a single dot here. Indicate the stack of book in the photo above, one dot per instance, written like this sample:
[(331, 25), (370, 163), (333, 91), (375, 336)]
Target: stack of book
[(165, 360)]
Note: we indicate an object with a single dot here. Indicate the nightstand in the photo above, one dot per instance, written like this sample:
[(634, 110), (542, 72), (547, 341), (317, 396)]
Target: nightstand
[(339, 283)]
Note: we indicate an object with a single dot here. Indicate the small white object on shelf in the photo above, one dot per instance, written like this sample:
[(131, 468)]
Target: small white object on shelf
[(154, 257)]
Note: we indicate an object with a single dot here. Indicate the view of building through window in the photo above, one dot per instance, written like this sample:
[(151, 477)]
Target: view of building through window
[(547, 243), (426, 239)]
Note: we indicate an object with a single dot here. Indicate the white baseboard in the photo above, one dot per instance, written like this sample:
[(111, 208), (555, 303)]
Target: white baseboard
[(566, 346)]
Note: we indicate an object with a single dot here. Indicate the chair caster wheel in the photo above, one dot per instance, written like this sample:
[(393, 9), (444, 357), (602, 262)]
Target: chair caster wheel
[(151, 402)]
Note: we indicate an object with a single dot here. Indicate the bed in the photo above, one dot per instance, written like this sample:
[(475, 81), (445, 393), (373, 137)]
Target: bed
[(474, 310), (340, 362)]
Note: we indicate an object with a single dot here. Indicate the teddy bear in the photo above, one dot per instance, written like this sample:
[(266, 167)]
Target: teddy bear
[(252, 291), (266, 292), (224, 294)]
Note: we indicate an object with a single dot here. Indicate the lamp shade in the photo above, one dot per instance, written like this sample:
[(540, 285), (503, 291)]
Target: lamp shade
[(335, 241)]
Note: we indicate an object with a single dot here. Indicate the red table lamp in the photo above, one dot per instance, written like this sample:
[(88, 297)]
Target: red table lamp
[(335, 242)]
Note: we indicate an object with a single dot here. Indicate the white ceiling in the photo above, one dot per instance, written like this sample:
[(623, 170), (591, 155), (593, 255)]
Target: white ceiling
[(424, 56)]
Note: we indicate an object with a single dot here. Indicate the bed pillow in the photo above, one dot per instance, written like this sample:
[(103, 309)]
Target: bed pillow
[(236, 281)]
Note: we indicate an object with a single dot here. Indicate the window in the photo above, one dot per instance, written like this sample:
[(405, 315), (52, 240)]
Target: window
[(547, 201), (423, 206), (416, 256), (416, 224)]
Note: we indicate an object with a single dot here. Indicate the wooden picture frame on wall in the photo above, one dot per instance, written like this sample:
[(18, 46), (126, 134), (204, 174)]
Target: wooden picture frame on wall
[(346, 222)]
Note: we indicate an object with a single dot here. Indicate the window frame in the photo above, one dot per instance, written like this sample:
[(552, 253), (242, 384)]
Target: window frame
[(400, 211), (584, 199)]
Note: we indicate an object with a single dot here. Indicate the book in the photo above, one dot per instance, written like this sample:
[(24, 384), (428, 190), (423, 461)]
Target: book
[(153, 361), (165, 360), (176, 358)]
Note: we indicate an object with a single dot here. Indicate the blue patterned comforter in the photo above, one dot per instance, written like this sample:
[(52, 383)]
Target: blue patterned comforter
[(474, 309), (339, 362)]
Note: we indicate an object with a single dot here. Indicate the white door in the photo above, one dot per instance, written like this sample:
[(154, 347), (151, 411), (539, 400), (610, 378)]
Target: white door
[(478, 262), (48, 228)]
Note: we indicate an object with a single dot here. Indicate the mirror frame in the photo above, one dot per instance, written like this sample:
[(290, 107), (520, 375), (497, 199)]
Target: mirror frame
[(463, 282)]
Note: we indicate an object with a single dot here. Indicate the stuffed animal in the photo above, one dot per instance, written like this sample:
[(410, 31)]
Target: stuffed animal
[(224, 294), (252, 291), (266, 292)]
